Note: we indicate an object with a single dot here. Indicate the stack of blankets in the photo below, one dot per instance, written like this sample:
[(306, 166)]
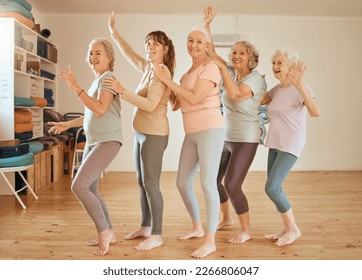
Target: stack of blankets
[(23, 124), (19, 9)]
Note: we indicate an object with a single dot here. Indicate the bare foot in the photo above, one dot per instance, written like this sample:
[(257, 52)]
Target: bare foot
[(141, 232), (225, 223), (289, 237), (195, 233), (274, 236), (104, 241), (94, 242), (204, 251), (151, 242), (240, 237)]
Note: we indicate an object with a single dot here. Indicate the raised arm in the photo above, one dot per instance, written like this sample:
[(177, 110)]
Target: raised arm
[(296, 75), (234, 91), (137, 61), (209, 15)]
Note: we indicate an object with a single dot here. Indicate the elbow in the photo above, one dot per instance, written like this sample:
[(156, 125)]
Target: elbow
[(232, 97), (100, 113), (315, 113)]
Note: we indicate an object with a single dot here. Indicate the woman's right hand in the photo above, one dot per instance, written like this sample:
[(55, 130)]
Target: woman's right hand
[(57, 127), (68, 76), (111, 23), (209, 15)]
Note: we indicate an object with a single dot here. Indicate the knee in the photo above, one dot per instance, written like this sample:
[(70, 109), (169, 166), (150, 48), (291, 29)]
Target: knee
[(271, 191), (77, 188), (181, 187), (233, 189)]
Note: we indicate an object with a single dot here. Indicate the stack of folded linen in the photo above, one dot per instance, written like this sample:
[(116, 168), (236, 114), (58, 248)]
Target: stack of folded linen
[(39, 101), (19, 9), (23, 125), (37, 122), (48, 95)]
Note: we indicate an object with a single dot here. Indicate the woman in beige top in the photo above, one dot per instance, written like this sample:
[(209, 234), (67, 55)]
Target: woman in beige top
[(150, 124)]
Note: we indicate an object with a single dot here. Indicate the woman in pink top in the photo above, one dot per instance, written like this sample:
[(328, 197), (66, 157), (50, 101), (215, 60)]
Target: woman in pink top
[(288, 102), (199, 99)]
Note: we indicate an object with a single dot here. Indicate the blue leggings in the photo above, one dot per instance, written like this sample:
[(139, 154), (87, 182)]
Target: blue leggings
[(279, 165), (201, 149)]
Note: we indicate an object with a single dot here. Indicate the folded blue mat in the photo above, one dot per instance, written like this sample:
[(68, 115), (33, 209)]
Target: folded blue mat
[(23, 160), (35, 147)]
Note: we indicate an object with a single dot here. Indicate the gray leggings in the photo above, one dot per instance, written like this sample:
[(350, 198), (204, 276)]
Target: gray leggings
[(148, 155), (201, 149), (85, 184)]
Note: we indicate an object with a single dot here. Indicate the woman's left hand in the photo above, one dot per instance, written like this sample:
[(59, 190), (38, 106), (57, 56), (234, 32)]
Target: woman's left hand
[(296, 73), (114, 85), (160, 72)]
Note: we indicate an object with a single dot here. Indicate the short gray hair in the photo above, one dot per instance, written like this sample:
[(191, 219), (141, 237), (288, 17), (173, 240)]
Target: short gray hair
[(203, 31), (108, 47), (291, 54)]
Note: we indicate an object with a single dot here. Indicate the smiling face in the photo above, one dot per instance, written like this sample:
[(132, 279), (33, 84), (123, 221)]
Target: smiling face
[(98, 59), (197, 45), (281, 66), (239, 57), (155, 51)]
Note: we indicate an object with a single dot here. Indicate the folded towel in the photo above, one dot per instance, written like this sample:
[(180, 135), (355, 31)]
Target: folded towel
[(39, 101), (22, 116), (24, 135), (23, 101), (23, 127)]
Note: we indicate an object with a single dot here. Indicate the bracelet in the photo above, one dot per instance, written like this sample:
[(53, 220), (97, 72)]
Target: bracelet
[(80, 92)]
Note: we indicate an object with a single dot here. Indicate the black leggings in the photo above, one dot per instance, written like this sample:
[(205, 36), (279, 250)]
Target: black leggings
[(235, 162)]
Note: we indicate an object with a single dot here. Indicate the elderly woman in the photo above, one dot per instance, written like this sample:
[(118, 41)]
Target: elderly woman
[(103, 129), (244, 88), (289, 102), (151, 127), (199, 99)]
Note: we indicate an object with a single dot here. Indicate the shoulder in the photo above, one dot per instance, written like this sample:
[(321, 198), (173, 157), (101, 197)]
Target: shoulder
[(106, 74), (211, 65), (163, 66), (273, 90), (211, 68)]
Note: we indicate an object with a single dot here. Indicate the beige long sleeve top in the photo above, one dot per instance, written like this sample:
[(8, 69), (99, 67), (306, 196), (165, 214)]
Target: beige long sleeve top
[(151, 96)]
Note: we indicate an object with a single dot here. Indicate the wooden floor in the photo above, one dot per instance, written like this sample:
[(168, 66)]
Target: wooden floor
[(327, 206)]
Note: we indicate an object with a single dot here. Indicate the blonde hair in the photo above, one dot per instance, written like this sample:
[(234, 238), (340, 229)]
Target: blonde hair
[(251, 50)]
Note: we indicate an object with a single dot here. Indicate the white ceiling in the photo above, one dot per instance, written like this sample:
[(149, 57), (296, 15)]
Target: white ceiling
[(329, 8)]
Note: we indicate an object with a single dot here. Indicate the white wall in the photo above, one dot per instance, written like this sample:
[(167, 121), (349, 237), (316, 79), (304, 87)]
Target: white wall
[(331, 48)]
